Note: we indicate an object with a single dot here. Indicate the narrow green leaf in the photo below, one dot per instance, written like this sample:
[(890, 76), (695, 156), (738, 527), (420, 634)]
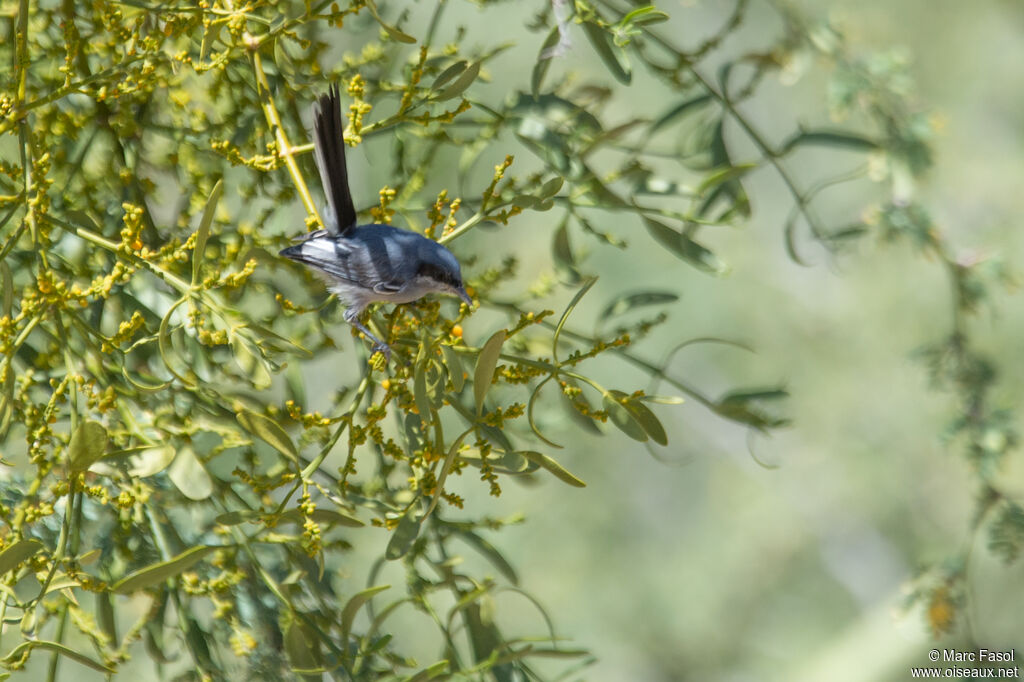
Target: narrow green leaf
[(551, 187), (613, 57), (454, 366), (234, 518), (489, 552), (829, 138), (568, 311), (627, 302), (203, 233), (390, 30), (252, 364), (8, 284), (484, 636), (460, 84), (157, 573), (623, 418), (486, 363), (267, 430), (746, 407), (211, 34), (106, 616), (647, 420), (448, 74), (560, 472), (301, 647), (559, 653), (644, 15), (540, 69), (403, 536), (18, 651), (685, 248), (561, 252), (678, 110), (662, 399), (88, 444), (431, 672), (419, 388), (723, 175), (356, 602), (151, 461), (16, 554), (324, 516), (189, 475)]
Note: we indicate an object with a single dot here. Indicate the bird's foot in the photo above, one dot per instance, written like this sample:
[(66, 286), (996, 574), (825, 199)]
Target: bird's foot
[(384, 349)]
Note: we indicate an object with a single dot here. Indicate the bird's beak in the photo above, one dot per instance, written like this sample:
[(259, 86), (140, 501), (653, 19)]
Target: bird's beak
[(461, 293)]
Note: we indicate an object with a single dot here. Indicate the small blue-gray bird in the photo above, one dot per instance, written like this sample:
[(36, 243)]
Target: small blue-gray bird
[(364, 264)]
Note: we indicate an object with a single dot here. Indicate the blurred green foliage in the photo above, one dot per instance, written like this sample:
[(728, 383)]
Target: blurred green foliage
[(157, 446)]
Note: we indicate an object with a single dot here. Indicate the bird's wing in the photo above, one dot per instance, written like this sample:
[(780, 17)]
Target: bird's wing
[(356, 263), (329, 146)]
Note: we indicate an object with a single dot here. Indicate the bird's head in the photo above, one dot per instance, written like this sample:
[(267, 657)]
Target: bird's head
[(438, 270)]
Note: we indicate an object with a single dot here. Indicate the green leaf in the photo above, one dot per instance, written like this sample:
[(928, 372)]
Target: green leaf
[(486, 363), (20, 650), (203, 233), (678, 110), (301, 645), (234, 518), (662, 399), (390, 30), (151, 461), (647, 420), (723, 175), (267, 430), (448, 74), (431, 672), (558, 653), (358, 600), (628, 302), (88, 444), (464, 80), (568, 311), (157, 573), (560, 472), (551, 187), (454, 366), (613, 57), (189, 475), (561, 251), (8, 285), (829, 138), (489, 552), (623, 418), (18, 553), (403, 536), (324, 516), (252, 364), (210, 34), (746, 407), (540, 69), (419, 388), (644, 15), (106, 616), (685, 248)]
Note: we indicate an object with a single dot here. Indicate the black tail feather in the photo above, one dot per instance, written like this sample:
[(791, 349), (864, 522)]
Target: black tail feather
[(329, 145)]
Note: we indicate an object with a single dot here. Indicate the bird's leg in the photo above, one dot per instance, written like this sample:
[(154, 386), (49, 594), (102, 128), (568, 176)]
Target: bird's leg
[(352, 317)]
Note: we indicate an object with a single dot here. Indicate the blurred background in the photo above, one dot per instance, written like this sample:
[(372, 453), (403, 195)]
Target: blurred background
[(702, 564), (727, 556)]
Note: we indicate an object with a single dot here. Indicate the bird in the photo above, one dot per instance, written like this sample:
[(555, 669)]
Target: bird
[(364, 264)]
